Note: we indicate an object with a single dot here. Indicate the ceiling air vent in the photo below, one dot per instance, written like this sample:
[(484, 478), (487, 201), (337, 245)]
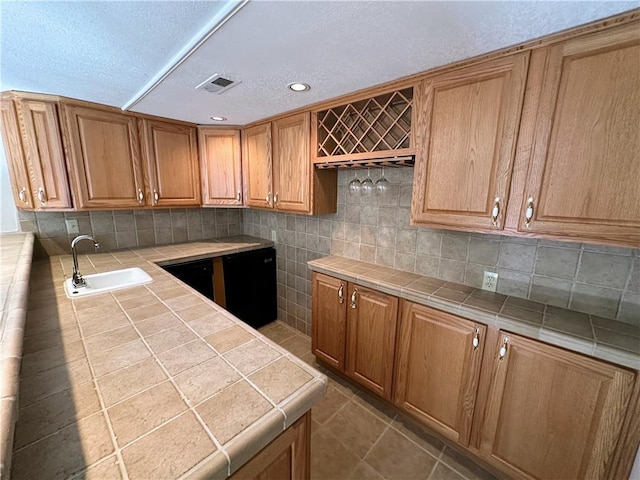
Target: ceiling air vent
[(217, 84)]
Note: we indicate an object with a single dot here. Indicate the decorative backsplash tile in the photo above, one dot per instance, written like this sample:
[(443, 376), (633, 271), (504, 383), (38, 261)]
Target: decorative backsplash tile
[(589, 278)]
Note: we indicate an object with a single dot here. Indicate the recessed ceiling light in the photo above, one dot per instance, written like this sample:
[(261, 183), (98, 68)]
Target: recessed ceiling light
[(217, 118), (298, 87)]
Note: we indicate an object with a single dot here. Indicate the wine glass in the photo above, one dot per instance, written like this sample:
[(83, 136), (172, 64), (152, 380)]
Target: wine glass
[(355, 185), (382, 184), (367, 185)]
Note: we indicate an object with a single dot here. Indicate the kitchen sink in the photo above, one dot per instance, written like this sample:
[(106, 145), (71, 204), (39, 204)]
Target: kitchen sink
[(107, 282)]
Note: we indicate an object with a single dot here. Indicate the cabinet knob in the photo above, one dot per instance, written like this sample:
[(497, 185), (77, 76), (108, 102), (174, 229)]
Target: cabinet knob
[(528, 213), (268, 197), (140, 196), (156, 196), (353, 298), (476, 338), (503, 348), (495, 213), (238, 197), (23, 195), (275, 198), (42, 198), (341, 293)]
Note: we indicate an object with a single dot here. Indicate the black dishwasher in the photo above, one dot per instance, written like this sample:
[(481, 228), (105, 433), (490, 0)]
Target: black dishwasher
[(197, 274), (250, 286)]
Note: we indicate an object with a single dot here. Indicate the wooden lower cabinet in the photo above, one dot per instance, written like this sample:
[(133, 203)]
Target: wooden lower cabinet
[(438, 368), (285, 458), (553, 413), (354, 331)]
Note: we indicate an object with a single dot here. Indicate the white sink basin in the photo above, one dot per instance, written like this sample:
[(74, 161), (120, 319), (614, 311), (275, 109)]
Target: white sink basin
[(107, 282)]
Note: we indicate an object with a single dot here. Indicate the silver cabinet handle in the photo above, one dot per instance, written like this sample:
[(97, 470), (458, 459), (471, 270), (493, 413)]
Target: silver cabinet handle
[(268, 197), (275, 198), (476, 338), (341, 293), (528, 213), (41, 196), (503, 348), (353, 298), (156, 196), (140, 196), (495, 213), (23, 195), (238, 197)]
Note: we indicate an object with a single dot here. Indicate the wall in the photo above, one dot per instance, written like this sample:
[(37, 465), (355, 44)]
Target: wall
[(129, 228), (8, 214), (594, 279)]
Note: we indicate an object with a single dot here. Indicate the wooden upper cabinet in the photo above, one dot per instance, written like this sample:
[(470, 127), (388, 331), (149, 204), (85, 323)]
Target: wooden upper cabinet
[(16, 160), (329, 320), (170, 163), (467, 122), (584, 153), (292, 164), (45, 154), (553, 413), (438, 369), (105, 165), (371, 335), (220, 166), (257, 165)]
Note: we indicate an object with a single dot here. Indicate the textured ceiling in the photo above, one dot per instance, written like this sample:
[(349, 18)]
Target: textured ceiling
[(108, 51)]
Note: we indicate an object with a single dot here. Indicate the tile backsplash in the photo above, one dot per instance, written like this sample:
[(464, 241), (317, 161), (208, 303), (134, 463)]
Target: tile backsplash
[(594, 279), (129, 228)]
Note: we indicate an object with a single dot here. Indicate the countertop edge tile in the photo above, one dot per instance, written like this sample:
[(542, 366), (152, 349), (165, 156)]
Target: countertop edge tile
[(331, 265)]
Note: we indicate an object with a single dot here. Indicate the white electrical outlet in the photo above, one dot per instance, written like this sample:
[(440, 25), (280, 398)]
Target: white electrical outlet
[(490, 281), (274, 236), (72, 226)]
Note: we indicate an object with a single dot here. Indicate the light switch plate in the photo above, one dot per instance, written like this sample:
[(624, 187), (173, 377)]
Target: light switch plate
[(490, 281), (72, 226), (274, 236)]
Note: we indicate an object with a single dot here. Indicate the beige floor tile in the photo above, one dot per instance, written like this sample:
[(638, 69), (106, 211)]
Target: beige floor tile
[(396, 457), (59, 456), (169, 451), (442, 472), (329, 459), (329, 405), (157, 324), (280, 379), (140, 414), (55, 412), (128, 381), (206, 379), (251, 356), (52, 381), (186, 356), (278, 331), (211, 323), (229, 338), (364, 471), (375, 405), (356, 428), (409, 428), (168, 339), (464, 466), (232, 410), (299, 344)]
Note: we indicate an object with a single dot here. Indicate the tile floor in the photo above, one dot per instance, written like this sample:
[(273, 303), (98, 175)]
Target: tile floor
[(356, 436)]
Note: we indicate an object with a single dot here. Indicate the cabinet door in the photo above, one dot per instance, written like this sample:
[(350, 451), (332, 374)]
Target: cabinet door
[(16, 161), (171, 163), (45, 155), (104, 161), (220, 166), (553, 413), (465, 139), (438, 368), (584, 168), (329, 319), (292, 163), (256, 166), (371, 335)]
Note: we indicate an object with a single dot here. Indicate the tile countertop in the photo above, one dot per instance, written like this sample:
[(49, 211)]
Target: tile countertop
[(155, 381), (602, 338)]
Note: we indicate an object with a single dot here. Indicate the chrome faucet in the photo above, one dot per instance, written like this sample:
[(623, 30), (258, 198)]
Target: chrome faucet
[(76, 280)]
